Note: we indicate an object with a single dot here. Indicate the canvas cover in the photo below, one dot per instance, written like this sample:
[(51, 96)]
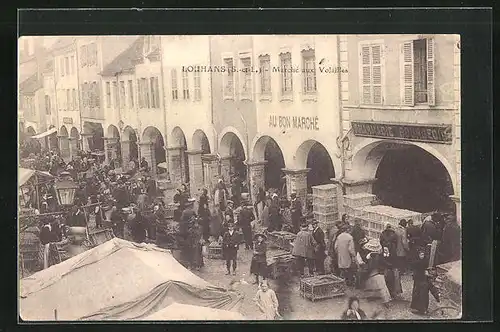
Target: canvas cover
[(117, 280), (25, 174), (180, 312)]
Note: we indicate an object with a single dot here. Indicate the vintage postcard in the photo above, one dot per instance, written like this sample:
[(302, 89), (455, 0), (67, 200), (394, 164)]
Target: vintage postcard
[(239, 177)]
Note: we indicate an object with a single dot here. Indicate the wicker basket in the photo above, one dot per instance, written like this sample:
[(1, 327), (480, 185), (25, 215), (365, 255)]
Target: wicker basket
[(325, 190), (322, 287), (324, 200)]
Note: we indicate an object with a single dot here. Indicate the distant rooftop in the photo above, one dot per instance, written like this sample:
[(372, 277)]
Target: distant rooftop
[(125, 60), (30, 85)]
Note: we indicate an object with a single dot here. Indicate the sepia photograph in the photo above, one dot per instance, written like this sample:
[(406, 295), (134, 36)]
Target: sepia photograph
[(239, 177)]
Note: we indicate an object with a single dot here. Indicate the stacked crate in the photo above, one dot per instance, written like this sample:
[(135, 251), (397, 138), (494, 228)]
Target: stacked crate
[(374, 218), (355, 202), (325, 205)]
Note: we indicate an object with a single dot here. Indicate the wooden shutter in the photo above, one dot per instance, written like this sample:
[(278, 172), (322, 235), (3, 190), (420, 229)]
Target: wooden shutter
[(376, 59), (407, 84), (431, 94), (365, 75)]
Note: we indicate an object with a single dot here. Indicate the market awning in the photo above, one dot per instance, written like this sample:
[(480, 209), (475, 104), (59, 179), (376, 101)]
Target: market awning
[(25, 174), (45, 133)]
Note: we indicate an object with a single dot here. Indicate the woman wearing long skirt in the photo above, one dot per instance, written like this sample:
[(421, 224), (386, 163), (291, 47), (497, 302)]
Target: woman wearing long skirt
[(375, 286), (259, 259)]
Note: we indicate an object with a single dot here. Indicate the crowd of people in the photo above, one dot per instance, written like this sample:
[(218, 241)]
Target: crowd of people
[(129, 203)]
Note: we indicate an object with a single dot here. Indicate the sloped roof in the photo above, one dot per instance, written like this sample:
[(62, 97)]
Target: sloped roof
[(125, 60), (62, 43), (30, 85)]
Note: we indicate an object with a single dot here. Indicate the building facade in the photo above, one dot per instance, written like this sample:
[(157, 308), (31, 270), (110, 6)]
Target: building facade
[(401, 119), (233, 103), (190, 134), (297, 106), (64, 53)]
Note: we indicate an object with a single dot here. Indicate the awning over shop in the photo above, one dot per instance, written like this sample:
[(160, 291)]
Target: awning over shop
[(45, 133), (25, 174)]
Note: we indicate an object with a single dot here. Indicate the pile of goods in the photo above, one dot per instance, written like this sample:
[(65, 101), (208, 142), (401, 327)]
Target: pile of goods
[(281, 239), (325, 206), (214, 250), (279, 263), (374, 217)]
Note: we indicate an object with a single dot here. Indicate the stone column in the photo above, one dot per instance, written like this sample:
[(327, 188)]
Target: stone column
[(256, 176), (148, 153), (210, 173), (225, 168), (184, 171), (358, 186), (296, 181), (196, 180), (458, 206), (125, 145), (175, 163)]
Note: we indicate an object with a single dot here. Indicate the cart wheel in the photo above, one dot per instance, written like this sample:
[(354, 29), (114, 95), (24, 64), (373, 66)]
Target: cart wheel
[(449, 312)]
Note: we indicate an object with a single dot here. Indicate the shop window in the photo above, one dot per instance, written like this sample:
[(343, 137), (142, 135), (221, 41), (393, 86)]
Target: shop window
[(417, 79)]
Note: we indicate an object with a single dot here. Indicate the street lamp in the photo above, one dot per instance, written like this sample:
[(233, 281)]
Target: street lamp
[(65, 189)]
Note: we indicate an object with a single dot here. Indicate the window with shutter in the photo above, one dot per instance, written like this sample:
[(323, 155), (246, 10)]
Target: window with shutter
[(417, 68), (197, 85), (140, 98), (75, 100), (157, 92), (366, 75), (131, 93), (431, 94), (407, 84), (185, 85), (308, 72), (246, 78), (228, 78), (376, 51), (175, 93), (97, 94), (265, 74), (286, 74), (108, 94)]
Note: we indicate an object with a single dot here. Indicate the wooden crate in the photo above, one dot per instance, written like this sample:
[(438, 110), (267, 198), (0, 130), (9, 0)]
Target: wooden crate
[(324, 200), (359, 200), (214, 251), (325, 209), (322, 287), (280, 264), (282, 240), (326, 217), (325, 190)]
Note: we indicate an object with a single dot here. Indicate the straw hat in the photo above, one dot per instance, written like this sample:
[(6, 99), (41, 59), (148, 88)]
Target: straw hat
[(373, 246)]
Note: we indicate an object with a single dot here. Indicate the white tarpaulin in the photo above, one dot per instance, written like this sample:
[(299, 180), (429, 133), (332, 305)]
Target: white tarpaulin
[(45, 133), (25, 174), (177, 311)]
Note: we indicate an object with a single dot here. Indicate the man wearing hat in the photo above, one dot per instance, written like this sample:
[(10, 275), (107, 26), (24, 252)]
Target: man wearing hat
[(303, 249), (319, 249), (259, 259), (245, 219), (346, 254), (296, 210), (389, 243), (230, 244), (230, 209)]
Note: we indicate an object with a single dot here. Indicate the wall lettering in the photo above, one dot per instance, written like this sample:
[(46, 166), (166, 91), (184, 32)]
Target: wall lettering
[(294, 122)]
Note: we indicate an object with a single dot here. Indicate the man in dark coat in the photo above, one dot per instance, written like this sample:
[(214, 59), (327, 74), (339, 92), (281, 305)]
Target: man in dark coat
[(450, 246), (78, 218), (414, 235), (422, 284), (187, 219), (144, 164), (230, 244), (358, 233), (430, 230), (245, 219), (389, 242), (319, 249), (296, 212), (117, 222)]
